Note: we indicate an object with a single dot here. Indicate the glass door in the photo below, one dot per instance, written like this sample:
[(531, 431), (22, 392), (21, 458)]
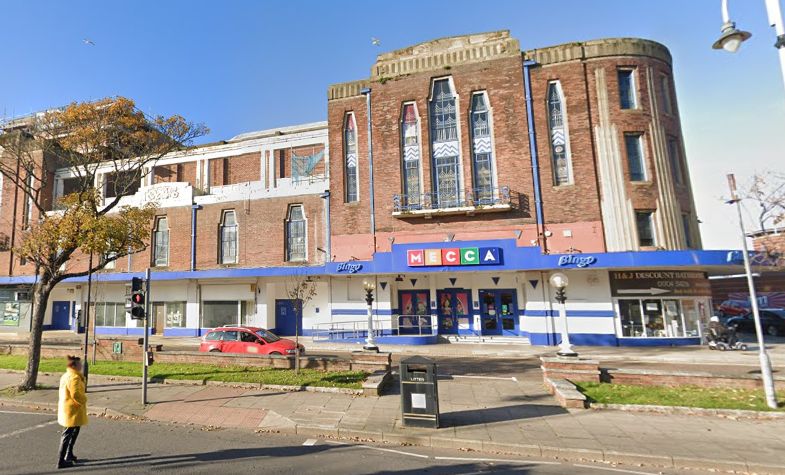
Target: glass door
[(499, 312), (489, 313), (453, 308), (508, 312), (414, 312)]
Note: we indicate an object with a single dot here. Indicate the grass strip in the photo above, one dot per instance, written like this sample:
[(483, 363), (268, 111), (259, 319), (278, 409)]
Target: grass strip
[(229, 374), (686, 396)]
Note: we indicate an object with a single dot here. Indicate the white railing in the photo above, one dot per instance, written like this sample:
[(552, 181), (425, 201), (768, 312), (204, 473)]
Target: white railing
[(412, 325)]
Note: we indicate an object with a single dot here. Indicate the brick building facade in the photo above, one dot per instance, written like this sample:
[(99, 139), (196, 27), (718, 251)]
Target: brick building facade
[(456, 177)]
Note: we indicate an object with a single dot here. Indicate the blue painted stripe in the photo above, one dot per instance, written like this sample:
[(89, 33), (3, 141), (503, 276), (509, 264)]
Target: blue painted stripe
[(579, 339), (658, 341), (570, 313), (181, 332)]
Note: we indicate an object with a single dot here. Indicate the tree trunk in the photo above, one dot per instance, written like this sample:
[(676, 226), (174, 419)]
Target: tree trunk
[(40, 298)]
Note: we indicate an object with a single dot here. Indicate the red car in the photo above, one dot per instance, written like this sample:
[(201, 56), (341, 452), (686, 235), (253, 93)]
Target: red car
[(247, 340)]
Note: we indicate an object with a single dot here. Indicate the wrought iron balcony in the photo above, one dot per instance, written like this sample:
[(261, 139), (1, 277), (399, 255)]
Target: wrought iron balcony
[(485, 199)]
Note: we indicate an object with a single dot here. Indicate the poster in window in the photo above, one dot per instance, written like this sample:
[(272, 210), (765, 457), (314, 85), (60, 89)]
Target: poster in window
[(406, 304), (461, 303), (10, 314), (422, 303)]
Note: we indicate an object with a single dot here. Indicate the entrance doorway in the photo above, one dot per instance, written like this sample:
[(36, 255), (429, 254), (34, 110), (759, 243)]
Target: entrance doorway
[(287, 321), (61, 315), (499, 312), (414, 312), (158, 318), (453, 307)]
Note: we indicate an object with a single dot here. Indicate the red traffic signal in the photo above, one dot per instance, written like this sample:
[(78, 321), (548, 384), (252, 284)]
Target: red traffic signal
[(137, 298)]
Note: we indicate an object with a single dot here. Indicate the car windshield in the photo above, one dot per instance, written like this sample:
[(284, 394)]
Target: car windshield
[(267, 336)]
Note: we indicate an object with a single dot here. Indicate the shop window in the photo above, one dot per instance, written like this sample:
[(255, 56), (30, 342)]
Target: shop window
[(445, 147), (228, 251), (674, 157), (482, 154), (218, 313), (161, 242), (350, 158), (11, 313), (560, 139), (172, 313), (633, 144), (627, 90), (643, 221), (410, 138), (659, 318), (110, 314), (295, 234)]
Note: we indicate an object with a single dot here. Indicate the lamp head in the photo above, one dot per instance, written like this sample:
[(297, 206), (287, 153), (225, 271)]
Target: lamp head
[(558, 280), (368, 285), (731, 38)]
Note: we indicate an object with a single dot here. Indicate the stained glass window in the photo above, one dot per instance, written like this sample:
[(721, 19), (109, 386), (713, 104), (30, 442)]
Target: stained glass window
[(350, 164), (295, 234), (482, 166), (445, 148), (560, 147), (229, 238), (410, 138)]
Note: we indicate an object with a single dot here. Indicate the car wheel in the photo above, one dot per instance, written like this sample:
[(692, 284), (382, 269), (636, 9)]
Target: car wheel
[(722, 347), (772, 330), (275, 353), (215, 350), (743, 347)]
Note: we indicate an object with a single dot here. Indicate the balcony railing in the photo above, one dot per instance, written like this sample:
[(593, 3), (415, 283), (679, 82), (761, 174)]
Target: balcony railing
[(469, 201)]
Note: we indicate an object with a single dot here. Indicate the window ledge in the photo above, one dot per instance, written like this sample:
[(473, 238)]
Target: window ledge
[(467, 210)]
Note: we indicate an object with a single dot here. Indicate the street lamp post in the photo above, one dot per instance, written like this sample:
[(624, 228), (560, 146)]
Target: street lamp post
[(763, 356), (370, 342), (731, 38), (559, 281)]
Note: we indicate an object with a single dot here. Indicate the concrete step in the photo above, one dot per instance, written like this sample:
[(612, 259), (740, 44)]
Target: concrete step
[(489, 339)]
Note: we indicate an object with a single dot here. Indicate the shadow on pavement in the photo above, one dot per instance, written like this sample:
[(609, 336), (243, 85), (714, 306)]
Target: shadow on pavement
[(498, 414), (465, 468)]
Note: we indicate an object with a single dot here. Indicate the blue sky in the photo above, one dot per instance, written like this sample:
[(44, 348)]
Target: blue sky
[(248, 65)]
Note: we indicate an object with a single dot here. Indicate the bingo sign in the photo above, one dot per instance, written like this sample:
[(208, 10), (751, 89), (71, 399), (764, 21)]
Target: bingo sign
[(464, 256)]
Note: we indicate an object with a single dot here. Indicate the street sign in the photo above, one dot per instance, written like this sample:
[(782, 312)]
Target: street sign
[(659, 283)]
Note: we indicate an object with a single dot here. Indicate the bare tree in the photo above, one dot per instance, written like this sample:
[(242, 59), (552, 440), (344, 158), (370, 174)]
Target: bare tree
[(301, 289), (108, 147), (767, 191)]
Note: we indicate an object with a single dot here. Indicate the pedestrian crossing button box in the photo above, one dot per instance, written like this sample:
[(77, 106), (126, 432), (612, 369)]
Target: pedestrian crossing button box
[(419, 393)]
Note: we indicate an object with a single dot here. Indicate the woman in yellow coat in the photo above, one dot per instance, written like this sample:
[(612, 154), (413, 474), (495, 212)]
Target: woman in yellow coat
[(71, 410)]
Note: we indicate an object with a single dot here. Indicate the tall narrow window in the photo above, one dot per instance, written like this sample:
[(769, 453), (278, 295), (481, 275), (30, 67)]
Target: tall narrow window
[(161, 242), (685, 222), (627, 93), (350, 159), (444, 145), (482, 155), (674, 157), (27, 212), (643, 221), (229, 237), (634, 145), (295, 234), (560, 146), (665, 95), (410, 138)]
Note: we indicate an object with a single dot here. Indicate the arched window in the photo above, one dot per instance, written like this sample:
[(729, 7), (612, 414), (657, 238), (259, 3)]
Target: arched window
[(228, 237), (445, 147), (295, 234), (161, 242), (350, 158), (482, 155), (410, 138), (560, 138)]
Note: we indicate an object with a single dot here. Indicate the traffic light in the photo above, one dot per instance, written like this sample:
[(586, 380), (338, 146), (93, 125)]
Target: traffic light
[(137, 299)]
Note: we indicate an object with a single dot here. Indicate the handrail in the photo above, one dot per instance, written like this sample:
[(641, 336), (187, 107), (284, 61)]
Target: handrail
[(414, 325), (470, 198)]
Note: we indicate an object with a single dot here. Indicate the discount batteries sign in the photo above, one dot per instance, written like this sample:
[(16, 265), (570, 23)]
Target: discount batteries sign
[(458, 256)]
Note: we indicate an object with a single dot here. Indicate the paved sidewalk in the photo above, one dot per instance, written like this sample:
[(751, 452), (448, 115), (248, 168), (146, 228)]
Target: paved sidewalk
[(511, 415)]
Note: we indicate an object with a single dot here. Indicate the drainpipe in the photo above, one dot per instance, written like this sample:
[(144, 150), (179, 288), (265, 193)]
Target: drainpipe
[(367, 92), (527, 85), (326, 197), (194, 207)]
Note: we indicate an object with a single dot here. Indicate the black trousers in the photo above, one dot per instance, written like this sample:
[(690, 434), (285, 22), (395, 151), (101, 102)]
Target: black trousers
[(67, 441)]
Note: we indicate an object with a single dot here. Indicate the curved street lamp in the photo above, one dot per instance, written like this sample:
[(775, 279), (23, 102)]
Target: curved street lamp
[(560, 281)]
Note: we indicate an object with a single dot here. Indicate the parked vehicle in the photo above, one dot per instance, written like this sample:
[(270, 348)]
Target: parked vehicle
[(247, 340), (733, 308), (772, 321)]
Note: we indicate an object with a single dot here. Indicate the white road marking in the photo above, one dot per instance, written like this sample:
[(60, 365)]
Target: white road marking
[(27, 413), (613, 469), (399, 452), (17, 432), (310, 442), (478, 459)]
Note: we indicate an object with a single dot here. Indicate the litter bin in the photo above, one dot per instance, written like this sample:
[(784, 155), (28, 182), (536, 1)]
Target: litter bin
[(419, 393)]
